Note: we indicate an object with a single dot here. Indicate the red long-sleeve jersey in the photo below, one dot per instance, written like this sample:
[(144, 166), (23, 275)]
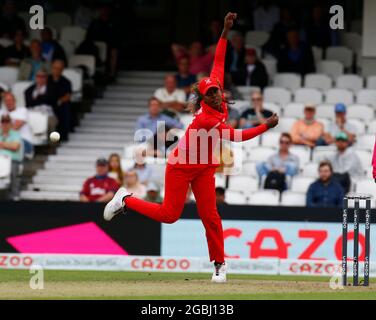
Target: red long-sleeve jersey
[(209, 125)]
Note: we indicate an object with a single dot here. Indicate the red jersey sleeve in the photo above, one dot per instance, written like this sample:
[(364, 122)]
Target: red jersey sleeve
[(85, 188), (113, 186), (218, 70)]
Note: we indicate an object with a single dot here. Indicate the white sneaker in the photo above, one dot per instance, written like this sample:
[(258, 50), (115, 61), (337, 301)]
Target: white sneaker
[(116, 205), (219, 274)]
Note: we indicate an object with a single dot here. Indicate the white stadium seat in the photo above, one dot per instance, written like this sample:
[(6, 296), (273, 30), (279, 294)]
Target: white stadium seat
[(4, 86), (339, 95), (352, 40), (256, 38), (271, 67), (359, 111), (325, 111), (8, 75), (85, 60), (18, 89), (371, 82), (272, 107), (285, 124), (220, 180), (294, 110), (290, 81), (235, 198), (365, 187), (323, 153), (368, 66), (301, 184), (293, 199), (331, 68), (302, 152), (249, 169), (5, 171), (310, 169), (39, 127), (68, 46), (260, 153), (349, 81), (365, 157), (75, 76), (341, 54), (318, 81), (244, 184), (371, 127), (58, 20), (365, 142), (366, 96), (278, 95), (308, 95), (241, 105), (73, 34), (317, 53), (246, 91), (358, 124), (264, 198), (270, 139)]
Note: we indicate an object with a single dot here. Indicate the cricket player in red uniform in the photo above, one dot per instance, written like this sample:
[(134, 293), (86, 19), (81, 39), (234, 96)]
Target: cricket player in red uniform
[(192, 162)]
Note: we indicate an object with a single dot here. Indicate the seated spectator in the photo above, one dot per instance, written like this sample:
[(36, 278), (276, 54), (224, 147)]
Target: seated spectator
[(326, 191), (100, 188), (84, 14), (10, 22), (318, 31), (153, 193), (340, 125), (308, 131), (296, 57), (184, 79), (60, 91), (114, 168), (37, 97), (279, 165), (252, 73), (133, 185), (144, 172), (159, 144), (265, 16), (19, 117), (30, 66), (89, 47), (235, 54), (51, 49), (220, 194), (10, 145), (171, 98), (233, 114), (150, 120), (199, 60), (16, 52), (345, 162), (255, 115)]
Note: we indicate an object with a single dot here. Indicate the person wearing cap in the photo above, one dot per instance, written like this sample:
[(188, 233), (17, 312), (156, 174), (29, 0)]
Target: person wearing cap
[(153, 193), (99, 188), (340, 125), (192, 164), (346, 163), (307, 131), (10, 145), (255, 115)]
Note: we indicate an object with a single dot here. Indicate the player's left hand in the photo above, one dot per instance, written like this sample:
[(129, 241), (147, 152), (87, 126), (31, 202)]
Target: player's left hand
[(272, 121)]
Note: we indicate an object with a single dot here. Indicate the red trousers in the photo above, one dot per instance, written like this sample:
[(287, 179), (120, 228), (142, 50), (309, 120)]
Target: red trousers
[(177, 180)]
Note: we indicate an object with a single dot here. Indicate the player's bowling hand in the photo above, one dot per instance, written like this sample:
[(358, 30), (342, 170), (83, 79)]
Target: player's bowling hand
[(272, 121), (229, 20)]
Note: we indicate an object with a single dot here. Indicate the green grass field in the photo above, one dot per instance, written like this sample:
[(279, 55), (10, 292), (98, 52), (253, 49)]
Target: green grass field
[(14, 284)]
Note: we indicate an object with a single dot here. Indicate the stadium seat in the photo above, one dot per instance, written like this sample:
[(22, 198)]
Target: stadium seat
[(58, 20), (318, 81), (351, 82), (294, 110), (331, 68), (325, 111), (293, 199), (102, 48), (325, 122), (308, 95), (5, 42), (256, 38), (290, 81), (18, 89), (317, 53), (371, 127), (366, 96), (260, 153), (359, 125), (277, 95), (244, 184), (68, 47), (241, 105), (249, 169), (39, 127), (250, 144), (84, 60), (75, 76), (220, 180), (368, 67), (271, 67), (8, 75), (272, 107), (323, 153), (302, 152), (264, 198), (235, 198), (4, 86), (246, 91), (339, 95), (126, 164), (371, 82), (310, 169), (341, 54), (301, 184), (352, 40), (365, 187), (285, 124), (5, 171), (365, 142), (359, 111), (270, 139), (73, 34), (158, 172), (365, 157)]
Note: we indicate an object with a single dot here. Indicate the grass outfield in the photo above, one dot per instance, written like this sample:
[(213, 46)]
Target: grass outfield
[(14, 284)]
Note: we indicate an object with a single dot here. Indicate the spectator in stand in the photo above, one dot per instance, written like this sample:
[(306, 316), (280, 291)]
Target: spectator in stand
[(235, 55), (184, 79), (159, 144), (114, 168), (16, 52), (60, 91), (215, 31), (150, 121), (297, 56), (265, 16), (340, 125), (84, 14), (220, 194), (10, 145), (252, 73), (100, 188), (345, 162), (10, 22), (30, 66), (283, 162), (133, 185), (51, 49), (89, 47), (19, 117), (144, 172), (153, 193), (172, 99), (199, 60), (318, 31), (326, 191), (233, 114), (308, 131), (255, 115)]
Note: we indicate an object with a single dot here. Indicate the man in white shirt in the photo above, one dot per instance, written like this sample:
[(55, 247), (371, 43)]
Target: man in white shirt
[(19, 117), (172, 99)]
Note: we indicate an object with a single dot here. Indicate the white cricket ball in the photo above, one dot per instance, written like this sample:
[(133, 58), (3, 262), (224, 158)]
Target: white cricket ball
[(54, 136)]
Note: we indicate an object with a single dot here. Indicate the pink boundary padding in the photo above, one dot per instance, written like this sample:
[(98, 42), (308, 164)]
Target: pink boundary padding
[(84, 238)]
